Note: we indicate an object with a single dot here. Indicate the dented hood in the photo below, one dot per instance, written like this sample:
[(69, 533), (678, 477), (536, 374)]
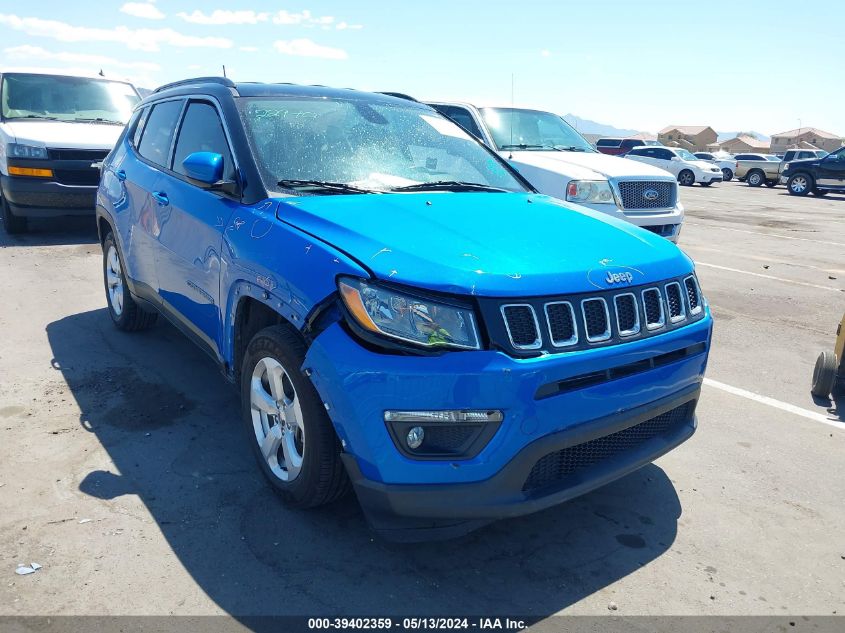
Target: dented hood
[(487, 244)]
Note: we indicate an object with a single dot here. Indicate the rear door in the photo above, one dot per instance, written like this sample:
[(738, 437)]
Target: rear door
[(141, 175), (191, 238)]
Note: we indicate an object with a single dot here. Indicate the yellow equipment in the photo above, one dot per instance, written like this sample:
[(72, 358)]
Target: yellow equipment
[(828, 365)]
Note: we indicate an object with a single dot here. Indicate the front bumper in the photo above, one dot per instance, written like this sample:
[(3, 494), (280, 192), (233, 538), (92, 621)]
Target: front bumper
[(783, 179), (665, 222), (358, 385), (711, 177), (42, 197)]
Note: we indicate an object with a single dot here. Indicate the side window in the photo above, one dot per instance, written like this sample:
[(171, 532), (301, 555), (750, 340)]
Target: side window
[(462, 117), (136, 125), (202, 131), (662, 154), (158, 132), (635, 152)]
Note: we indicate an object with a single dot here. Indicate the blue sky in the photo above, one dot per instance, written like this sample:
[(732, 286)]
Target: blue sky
[(634, 64)]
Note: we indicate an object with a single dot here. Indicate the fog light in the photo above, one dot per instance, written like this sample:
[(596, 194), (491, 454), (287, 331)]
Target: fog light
[(415, 437)]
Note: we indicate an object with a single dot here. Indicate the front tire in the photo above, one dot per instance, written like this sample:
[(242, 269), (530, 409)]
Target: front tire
[(286, 424), (125, 313), (14, 224), (799, 184), (755, 178), (686, 178), (706, 184), (727, 174)]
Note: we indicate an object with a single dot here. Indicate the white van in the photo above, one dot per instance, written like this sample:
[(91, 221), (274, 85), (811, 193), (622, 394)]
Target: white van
[(560, 162), (54, 132)]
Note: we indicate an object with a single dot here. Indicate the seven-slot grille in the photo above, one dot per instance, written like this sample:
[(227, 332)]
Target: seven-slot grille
[(607, 317), (637, 194)]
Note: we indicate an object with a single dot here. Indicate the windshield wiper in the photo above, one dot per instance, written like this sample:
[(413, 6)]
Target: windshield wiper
[(526, 146), (97, 120), (33, 116), (321, 186), (448, 185), (569, 148)]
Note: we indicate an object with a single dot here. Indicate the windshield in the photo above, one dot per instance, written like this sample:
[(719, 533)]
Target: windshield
[(353, 146), (532, 130), (685, 154), (60, 98)]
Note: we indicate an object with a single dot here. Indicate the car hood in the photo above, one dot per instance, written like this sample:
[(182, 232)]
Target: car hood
[(705, 165), (63, 134), (587, 165), (486, 244)]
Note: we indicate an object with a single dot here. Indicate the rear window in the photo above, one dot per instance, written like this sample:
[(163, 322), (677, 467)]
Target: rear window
[(158, 132), (608, 142)]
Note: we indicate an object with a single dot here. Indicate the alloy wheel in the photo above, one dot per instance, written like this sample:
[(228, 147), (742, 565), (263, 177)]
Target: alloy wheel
[(277, 419), (799, 184), (114, 281)]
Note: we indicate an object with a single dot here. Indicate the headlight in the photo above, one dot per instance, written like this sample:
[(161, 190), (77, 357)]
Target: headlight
[(17, 150), (597, 191), (785, 166), (404, 317)]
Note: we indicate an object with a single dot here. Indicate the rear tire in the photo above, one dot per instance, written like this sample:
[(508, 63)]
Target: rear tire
[(771, 183), (14, 224), (819, 192), (755, 178), (727, 174), (125, 313), (286, 424), (799, 184), (686, 178), (824, 375)]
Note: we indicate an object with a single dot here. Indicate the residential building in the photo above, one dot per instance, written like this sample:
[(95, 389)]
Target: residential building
[(695, 138), (743, 144), (805, 137)]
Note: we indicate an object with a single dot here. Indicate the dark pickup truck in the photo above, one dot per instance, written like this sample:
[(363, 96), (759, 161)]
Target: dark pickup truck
[(815, 175)]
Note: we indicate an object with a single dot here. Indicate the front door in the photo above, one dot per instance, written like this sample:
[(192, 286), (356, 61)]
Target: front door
[(832, 170), (191, 238)]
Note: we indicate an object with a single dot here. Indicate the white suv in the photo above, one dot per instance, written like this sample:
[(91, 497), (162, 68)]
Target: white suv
[(687, 168), (559, 162)]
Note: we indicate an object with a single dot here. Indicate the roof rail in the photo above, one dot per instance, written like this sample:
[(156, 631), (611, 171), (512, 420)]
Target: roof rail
[(223, 81)]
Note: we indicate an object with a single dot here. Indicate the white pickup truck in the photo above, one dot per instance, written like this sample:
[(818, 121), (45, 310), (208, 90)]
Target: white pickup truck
[(559, 162)]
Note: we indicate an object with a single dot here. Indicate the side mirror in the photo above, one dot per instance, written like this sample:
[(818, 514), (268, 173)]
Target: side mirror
[(676, 158), (205, 169)]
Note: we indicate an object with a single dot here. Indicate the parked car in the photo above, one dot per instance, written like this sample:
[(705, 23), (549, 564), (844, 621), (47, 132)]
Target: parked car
[(560, 162), (800, 154), (620, 146), (757, 169), (819, 175), (726, 163), (54, 131), (400, 309), (688, 169)]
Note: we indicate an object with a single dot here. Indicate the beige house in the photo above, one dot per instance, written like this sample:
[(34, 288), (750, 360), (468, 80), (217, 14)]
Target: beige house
[(743, 144), (805, 137), (695, 138)]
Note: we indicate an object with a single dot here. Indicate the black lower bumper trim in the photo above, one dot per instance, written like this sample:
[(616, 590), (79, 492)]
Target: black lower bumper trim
[(39, 197), (409, 512)]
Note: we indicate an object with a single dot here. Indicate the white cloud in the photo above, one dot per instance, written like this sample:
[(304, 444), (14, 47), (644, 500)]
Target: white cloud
[(29, 53), (222, 16), (305, 18), (136, 39), (307, 48), (342, 26), (249, 49), (546, 53), (145, 10)]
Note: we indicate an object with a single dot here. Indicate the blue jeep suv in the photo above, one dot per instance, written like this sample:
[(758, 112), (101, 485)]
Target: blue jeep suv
[(400, 310)]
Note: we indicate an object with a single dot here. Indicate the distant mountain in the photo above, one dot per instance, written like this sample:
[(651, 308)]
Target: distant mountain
[(726, 136), (585, 126)]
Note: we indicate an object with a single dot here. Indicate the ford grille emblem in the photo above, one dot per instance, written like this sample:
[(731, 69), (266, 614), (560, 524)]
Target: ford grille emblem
[(651, 194)]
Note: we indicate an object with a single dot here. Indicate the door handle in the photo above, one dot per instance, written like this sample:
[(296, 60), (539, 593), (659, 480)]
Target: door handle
[(121, 175), (161, 198)]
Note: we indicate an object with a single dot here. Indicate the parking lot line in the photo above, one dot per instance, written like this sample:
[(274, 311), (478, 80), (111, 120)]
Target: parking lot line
[(783, 406), (746, 272), (783, 237)]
